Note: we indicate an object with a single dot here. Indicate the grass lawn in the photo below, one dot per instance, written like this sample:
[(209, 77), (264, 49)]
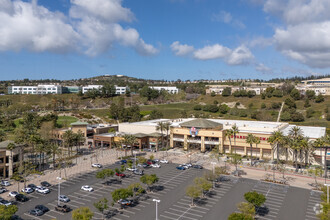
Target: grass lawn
[(64, 121)]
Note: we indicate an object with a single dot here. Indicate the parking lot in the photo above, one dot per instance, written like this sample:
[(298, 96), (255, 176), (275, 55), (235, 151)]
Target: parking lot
[(283, 202)]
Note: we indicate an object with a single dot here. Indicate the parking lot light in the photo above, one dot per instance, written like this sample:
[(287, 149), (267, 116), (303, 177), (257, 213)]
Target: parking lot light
[(59, 190), (156, 201), (327, 185)]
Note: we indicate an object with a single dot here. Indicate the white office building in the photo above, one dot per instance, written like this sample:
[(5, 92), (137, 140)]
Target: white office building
[(121, 90), (39, 89), (90, 87), (169, 89)]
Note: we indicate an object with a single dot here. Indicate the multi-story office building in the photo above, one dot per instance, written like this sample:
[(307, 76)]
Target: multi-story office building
[(317, 82), (39, 89), (169, 89), (121, 90), (71, 89), (90, 87), (9, 161)]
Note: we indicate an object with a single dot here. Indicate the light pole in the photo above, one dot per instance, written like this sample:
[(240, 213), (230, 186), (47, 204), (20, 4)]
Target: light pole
[(327, 185), (213, 163), (59, 190), (135, 161), (156, 201)]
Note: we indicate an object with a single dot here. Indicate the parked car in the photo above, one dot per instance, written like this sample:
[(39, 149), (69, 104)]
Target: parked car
[(87, 188), (5, 183), (63, 198), (144, 165), (138, 172), (196, 166), (187, 164), (21, 198), (120, 174), (238, 172), (156, 165), (97, 165), (41, 189), (2, 190), (119, 162), (36, 212), (5, 202), (27, 190), (124, 161), (32, 186), (163, 161), (125, 202), (180, 168), (15, 217), (13, 193), (43, 208), (112, 181), (45, 184), (131, 169), (156, 161), (62, 208)]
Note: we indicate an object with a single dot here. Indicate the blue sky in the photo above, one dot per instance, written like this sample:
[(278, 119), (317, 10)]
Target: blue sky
[(164, 39)]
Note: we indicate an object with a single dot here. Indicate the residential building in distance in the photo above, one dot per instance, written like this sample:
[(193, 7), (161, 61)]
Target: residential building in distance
[(218, 89), (317, 82), (169, 89), (318, 89), (39, 89)]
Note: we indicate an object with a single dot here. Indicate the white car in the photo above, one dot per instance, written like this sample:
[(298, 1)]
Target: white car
[(97, 165), (131, 169), (41, 189), (87, 188), (163, 161), (27, 190), (5, 183), (155, 165), (13, 193)]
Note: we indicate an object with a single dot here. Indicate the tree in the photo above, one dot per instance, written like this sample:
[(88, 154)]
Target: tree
[(226, 91), (295, 94), (167, 126), (256, 141), (6, 212), (310, 94), (129, 141), (317, 171), (193, 192), (246, 208), (121, 194), (235, 131), (160, 127), (290, 103), (239, 216), (256, 199), (203, 183), (306, 105), (82, 213), (276, 139), (101, 205), (320, 143), (223, 109), (250, 140), (294, 142), (68, 138), (319, 98), (155, 114), (229, 134), (3, 135), (149, 180)]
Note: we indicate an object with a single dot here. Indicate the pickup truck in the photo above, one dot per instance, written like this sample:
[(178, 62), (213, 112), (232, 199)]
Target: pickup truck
[(62, 208)]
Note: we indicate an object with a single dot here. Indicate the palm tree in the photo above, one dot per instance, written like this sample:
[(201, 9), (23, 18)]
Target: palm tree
[(128, 140), (11, 146), (250, 140), (276, 139), (54, 150), (160, 127), (228, 134), (40, 149), (320, 143), (295, 137), (234, 130), (68, 138), (307, 149), (256, 142)]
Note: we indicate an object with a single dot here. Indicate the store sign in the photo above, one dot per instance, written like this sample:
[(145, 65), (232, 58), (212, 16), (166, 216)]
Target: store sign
[(193, 131)]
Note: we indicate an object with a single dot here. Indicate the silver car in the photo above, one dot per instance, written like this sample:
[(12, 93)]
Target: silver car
[(63, 198)]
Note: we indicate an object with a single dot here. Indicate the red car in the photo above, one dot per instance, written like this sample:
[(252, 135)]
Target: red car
[(149, 162), (120, 174)]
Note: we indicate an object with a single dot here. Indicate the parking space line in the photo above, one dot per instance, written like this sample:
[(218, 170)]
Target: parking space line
[(186, 212), (52, 217), (34, 217), (180, 216), (167, 217)]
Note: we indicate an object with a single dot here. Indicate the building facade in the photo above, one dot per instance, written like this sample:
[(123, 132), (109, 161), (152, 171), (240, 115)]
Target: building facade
[(39, 89), (169, 89), (9, 159)]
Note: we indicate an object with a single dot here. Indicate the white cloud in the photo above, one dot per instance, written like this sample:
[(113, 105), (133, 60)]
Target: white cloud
[(240, 56), (261, 42), (306, 34), (212, 52), (227, 18), (262, 68), (91, 28), (181, 49)]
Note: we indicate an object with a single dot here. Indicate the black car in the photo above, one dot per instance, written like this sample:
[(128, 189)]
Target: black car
[(2, 190), (36, 212), (45, 184), (197, 166), (119, 162), (42, 208), (32, 186), (21, 198), (16, 217)]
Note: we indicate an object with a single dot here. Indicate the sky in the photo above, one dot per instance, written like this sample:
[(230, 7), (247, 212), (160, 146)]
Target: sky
[(164, 39)]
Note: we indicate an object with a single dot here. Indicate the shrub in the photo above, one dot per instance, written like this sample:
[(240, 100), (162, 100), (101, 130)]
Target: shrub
[(211, 108), (297, 117), (310, 94), (276, 105), (295, 94), (277, 93), (226, 91), (215, 102), (243, 114), (223, 109), (212, 93), (306, 105), (319, 98), (251, 93), (309, 112), (290, 103), (285, 116), (263, 106), (328, 117), (197, 107)]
